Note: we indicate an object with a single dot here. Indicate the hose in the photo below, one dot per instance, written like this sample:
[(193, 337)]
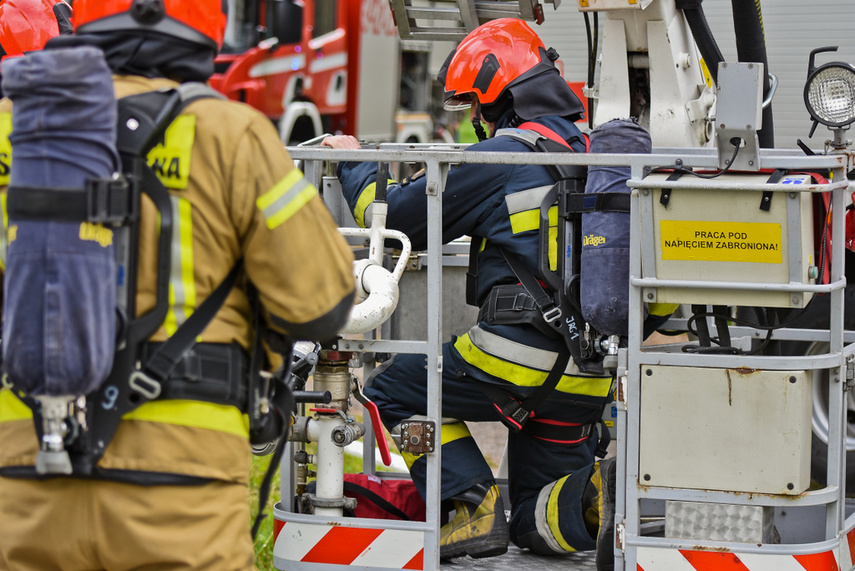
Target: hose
[(704, 39)]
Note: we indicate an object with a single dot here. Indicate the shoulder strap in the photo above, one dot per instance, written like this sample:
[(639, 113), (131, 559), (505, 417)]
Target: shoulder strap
[(553, 136), (546, 132), (161, 363), (541, 138), (565, 318), (355, 489)]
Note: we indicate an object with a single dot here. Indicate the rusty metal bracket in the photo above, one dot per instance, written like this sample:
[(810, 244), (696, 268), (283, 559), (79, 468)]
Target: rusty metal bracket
[(417, 436), (342, 502)]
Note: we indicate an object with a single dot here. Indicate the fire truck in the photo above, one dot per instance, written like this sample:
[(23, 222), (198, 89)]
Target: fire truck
[(323, 66), (715, 435)]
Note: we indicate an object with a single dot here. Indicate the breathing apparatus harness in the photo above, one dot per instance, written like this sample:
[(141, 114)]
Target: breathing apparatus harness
[(549, 301), (178, 368)]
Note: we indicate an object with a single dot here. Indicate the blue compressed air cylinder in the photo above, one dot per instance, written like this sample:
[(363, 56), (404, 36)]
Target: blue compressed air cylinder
[(604, 267), (59, 303)]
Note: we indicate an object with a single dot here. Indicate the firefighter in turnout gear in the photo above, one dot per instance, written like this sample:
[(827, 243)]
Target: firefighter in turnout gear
[(561, 499), (171, 489)]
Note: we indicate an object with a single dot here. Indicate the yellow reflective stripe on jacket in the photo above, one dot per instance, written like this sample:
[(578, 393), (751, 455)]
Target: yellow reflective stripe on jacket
[(5, 148), (366, 197), (523, 365), (12, 408), (450, 433), (552, 515), (182, 283), (170, 159), (5, 220), (530, 220), (662, 309), (194, 414), (524, 212), (283, 200)]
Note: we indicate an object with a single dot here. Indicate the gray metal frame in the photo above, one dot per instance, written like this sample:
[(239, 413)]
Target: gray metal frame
[(643, 282), (438, 160)]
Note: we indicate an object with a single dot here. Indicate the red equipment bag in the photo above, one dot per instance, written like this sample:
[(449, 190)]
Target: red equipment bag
[(380, 498)]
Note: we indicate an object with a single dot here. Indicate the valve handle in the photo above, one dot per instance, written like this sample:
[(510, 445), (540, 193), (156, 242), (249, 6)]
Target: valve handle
[(376, 423), (374, 412)]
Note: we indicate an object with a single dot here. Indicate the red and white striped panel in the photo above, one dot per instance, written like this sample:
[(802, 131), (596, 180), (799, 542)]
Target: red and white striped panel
[(661, 559), (343, 545), (847, 551)]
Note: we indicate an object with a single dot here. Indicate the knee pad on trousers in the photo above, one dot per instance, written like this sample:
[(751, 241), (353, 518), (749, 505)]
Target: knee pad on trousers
[(559, 521)]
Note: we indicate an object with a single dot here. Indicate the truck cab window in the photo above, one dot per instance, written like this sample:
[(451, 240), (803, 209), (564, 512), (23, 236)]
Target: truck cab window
[(286, 21), (241, 33), (326, 17)]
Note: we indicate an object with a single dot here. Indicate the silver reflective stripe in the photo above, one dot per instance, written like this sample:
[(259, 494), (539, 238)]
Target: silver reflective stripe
[(540, 519), (176, 282), (283, 201), (524, 355), (526, 199), (528, 135)]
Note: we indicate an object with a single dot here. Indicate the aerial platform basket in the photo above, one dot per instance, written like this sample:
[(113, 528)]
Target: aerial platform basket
[(718, 445)]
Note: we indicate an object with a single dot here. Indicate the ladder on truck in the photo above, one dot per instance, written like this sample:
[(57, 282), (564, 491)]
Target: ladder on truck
[(453, 19), (717, 446)]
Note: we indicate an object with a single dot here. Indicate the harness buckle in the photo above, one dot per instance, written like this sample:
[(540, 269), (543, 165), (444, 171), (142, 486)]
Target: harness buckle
[(520, 415), (551, 315), (145, 385), (109, 200)]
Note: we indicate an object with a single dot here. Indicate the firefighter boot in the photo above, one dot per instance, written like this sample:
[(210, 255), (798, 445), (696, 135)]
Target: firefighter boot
[(598, 504), (478, 528)]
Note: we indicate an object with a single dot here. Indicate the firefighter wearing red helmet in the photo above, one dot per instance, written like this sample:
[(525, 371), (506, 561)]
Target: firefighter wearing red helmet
[(171, 489), (561, 497)]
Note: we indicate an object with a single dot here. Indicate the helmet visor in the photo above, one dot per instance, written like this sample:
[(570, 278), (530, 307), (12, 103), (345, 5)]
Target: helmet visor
[(459, 101)]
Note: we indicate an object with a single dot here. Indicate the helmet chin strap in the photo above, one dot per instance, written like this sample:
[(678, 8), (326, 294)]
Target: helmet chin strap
[(476, 124)]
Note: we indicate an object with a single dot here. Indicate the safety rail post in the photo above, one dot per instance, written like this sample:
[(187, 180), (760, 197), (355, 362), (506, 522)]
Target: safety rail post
[(402, 538)]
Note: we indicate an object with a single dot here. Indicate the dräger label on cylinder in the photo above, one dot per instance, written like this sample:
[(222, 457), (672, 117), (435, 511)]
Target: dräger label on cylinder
[(712, 241)]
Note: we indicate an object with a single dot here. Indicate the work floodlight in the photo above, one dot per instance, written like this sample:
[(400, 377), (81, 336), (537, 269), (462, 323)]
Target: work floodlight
[(830, 92)]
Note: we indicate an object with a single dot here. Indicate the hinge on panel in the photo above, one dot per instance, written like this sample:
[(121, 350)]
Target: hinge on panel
[(850, 373), (620, 536), (417, 436), (621, 389)]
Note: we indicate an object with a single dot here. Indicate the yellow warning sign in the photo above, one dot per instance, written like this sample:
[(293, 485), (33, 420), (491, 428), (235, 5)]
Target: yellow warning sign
[(712, 241)]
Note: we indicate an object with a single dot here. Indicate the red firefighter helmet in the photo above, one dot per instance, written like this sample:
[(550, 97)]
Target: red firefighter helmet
[(27, 25), (490, 59), (197, 21), (506, 66)]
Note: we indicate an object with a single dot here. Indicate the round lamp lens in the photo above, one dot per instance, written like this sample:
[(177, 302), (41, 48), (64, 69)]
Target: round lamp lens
[(831, 95)]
